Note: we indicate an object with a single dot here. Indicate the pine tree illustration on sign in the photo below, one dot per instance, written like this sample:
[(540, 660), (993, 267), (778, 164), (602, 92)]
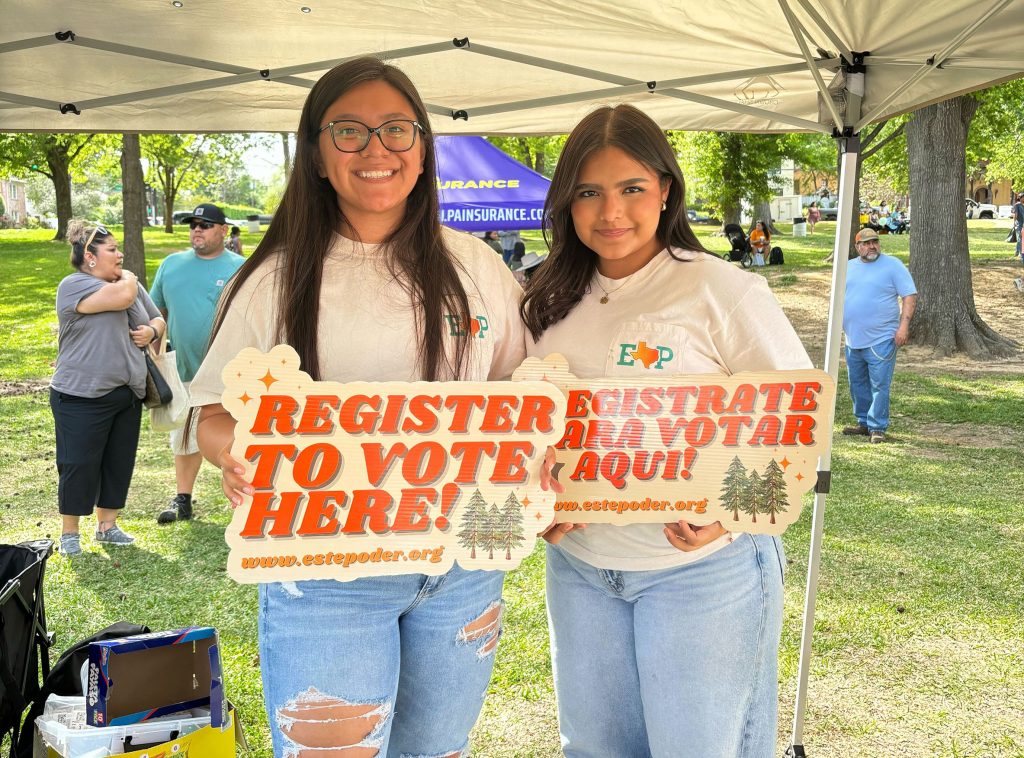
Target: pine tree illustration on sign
[(489, 539), (752, 495), (773, 490), (734, 487), (510, 525), (475, 524)]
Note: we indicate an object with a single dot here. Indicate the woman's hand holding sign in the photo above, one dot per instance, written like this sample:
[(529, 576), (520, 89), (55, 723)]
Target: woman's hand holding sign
[(216, 434), (553, 533)]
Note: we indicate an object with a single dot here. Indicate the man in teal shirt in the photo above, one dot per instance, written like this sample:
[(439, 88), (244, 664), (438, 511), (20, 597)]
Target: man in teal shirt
[(186, 290)]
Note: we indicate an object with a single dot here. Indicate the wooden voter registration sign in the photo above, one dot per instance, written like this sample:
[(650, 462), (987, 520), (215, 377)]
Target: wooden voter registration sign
[(738, 449), (369, 479)]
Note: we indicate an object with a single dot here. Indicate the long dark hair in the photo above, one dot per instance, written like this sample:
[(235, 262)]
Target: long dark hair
[(308, 217), (564, 278)]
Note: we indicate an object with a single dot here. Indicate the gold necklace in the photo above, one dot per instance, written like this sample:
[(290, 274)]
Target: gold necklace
[(604, 299)]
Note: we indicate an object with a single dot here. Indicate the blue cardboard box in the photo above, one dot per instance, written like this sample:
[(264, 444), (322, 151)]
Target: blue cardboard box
[(145, 676)]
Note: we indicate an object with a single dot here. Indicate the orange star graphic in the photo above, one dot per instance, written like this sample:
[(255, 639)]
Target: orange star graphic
[(646, 355), (537, 516), (268, 379), (799, 477), (785, 463), (526, 502), (245, 398)]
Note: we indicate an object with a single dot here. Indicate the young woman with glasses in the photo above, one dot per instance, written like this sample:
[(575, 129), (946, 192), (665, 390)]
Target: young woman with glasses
[(356, 273), (104, 317), (663, 637)]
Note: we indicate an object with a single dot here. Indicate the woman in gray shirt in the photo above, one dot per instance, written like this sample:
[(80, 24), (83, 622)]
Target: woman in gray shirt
[(105, 320)]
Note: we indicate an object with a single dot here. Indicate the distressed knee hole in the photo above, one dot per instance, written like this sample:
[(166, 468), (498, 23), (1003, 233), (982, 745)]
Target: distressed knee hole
[(485, 629), (456, 754), (332, 727)]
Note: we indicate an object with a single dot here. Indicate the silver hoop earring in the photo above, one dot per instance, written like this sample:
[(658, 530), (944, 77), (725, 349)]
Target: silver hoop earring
[(663, 206)]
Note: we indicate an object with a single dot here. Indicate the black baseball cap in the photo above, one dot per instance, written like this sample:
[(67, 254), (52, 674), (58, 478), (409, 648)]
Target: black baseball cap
[(207, 212)]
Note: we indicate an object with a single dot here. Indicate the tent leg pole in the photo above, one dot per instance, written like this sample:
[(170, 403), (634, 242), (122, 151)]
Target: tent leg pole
[(844, 230)]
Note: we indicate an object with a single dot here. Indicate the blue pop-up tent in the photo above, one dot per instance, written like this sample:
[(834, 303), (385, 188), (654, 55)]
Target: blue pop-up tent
[(482, 188)]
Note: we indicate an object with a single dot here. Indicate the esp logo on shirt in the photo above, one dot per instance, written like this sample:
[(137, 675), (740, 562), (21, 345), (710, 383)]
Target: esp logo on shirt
[(651, 357), (457, 327)]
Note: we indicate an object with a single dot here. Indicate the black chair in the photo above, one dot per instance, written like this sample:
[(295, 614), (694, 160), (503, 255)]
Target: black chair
[(24, 641)]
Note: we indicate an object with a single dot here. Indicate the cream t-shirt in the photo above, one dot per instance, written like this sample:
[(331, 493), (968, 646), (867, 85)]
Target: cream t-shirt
[(367, 326), (716, 319)]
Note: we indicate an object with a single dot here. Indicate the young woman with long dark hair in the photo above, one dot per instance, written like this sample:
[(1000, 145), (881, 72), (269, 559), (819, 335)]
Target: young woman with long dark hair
[(663, 638), (356, 273)]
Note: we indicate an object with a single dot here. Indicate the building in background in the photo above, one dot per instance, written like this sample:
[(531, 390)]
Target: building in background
[(12, 192)]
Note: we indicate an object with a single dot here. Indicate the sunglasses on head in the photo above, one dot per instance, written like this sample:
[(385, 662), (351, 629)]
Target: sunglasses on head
[(204, 225), (101, 231)]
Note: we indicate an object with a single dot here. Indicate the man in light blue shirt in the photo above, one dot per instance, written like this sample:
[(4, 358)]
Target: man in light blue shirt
[(186, 289), (880, 302)]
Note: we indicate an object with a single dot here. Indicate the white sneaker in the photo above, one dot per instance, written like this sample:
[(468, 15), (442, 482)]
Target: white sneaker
[(1019, 284)]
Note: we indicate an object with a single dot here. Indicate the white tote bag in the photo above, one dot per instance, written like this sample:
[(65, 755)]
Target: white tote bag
[(166, 418)]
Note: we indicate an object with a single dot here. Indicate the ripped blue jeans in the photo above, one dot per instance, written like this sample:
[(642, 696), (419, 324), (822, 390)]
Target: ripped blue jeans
[(392, 666)]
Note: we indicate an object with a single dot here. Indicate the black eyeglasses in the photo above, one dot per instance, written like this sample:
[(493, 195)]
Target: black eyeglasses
[(397, 135), (204, 225)]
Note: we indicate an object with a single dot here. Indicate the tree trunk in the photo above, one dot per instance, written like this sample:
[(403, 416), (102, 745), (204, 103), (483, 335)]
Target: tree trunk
[(940, 260), (731, 215), (133, 199), (762, 211), (57, 160), (287, 146), (170, 192)]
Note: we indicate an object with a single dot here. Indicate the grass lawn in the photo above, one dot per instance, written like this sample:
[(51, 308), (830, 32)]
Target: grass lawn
[(919, 637)]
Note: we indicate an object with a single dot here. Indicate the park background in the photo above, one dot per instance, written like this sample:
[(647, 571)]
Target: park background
[(920, 621), (919, 636)]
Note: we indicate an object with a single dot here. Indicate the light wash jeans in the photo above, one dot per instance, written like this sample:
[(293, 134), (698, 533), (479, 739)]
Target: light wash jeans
[(870, 370), (676, 663), (396, 664)]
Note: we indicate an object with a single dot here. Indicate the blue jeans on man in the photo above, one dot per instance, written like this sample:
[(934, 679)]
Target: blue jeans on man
[(870, 370)]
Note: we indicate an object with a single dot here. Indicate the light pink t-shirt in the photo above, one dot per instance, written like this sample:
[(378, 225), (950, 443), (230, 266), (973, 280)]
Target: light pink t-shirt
[(715, 318)]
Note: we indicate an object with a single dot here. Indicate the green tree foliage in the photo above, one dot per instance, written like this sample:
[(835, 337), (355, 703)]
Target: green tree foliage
[(185, 161), (539, 153), (997, 133), (55, 156), (727, 168), (734, 487), (475, 524), (773, 490), (510, 525)]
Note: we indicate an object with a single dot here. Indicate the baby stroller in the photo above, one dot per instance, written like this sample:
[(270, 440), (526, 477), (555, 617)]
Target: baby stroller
[(24, 641), (741, 249)]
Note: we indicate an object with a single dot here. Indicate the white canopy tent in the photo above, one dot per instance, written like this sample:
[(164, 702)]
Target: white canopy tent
[(528, 67)]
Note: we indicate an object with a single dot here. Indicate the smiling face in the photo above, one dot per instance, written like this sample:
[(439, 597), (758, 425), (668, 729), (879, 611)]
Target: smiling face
[(108, 260), (616, 210), (372, 185)]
